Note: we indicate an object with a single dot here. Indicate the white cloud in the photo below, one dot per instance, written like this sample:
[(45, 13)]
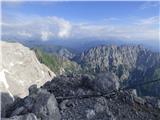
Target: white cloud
[(37, 27), (150, 4), (45, 35), (149, 21), (52, 27), (65, 29)]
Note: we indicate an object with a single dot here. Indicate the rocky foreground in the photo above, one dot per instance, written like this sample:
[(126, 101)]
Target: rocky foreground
[(80, 97)]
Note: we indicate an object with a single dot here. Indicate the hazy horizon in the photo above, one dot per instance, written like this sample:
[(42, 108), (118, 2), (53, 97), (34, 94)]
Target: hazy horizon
[(130, 22)]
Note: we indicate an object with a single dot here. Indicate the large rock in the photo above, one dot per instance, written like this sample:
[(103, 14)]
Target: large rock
[(29, 116), (40, 102), (101, 82), (20, 68), (45, 106), (5, 102), (105, 82), (154, 102)]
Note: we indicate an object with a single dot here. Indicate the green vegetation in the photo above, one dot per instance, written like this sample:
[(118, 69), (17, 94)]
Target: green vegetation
[(56, 63)]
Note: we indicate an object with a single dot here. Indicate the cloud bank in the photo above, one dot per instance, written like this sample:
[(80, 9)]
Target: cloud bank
[(33, 27)]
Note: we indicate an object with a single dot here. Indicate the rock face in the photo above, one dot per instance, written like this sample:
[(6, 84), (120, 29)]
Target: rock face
[(68, 105), (132, 63), (119, 59), (29, 116), (45, 106), (41, 103), (20, 68), (7, 100), (65, 53), (106, 81)]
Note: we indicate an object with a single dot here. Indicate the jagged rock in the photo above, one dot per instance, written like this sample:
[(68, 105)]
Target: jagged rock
[(5, 102), (71, 85), (29, 116), (45, 106), (20, 68), (88, 81), (139, 100), (65, 53), (134, 92), (32, 89), (63, 104), (124, 105), (90, 114), (105, 82), (121, 107), (41, 103), (119, 59), (101, 82), (154, 102), (132, 64), (18, 111), (110, 58)]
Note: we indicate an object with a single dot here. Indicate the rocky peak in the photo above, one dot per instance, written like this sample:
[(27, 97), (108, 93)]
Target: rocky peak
[(20, 68), (118, 59)]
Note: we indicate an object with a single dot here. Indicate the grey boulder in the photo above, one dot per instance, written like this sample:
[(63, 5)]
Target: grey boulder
[(105, 82), (45, 106), (29, 116), (41, 103)]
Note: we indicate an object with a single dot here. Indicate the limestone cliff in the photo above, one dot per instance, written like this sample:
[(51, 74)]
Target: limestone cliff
[(19, 68)]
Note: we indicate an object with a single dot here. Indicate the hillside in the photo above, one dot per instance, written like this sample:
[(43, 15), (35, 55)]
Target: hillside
[(57, 63)]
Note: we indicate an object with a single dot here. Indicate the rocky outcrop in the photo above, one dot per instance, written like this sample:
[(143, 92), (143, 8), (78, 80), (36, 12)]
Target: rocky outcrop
[(63, 52), (29, 116), (20, 68), (105, 82), (131, 64), (5, 100), (73, 101), (40, 103), (101, 82), (119, 59)]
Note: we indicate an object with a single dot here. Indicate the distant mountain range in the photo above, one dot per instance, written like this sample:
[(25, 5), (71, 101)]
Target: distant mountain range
[(87, 85), (132, 64)]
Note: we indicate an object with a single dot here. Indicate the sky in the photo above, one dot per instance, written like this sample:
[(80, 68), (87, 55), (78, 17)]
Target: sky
[(130, 21)]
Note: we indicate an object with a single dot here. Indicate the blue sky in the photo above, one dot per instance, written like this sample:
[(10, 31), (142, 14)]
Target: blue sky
[(87, 11), (101, 20)]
